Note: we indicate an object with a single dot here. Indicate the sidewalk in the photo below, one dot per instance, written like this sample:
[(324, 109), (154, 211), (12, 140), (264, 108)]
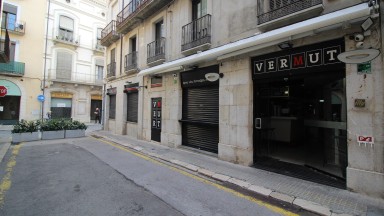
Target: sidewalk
[(311, 196)]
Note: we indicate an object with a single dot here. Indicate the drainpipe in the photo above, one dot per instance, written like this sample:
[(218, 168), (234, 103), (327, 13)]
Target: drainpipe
[(45, 61)]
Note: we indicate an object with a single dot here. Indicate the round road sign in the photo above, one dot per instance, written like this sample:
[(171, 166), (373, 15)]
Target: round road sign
[(3, 91), (41, 98)]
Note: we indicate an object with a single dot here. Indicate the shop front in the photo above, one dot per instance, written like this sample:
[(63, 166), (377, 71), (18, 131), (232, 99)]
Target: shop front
[(61, 105), (9, 102), (200, 109), (300, 113)]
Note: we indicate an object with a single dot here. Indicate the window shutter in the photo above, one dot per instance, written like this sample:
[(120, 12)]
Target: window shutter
[(99, 62), (9, 8), (64, 65), (66, 23)]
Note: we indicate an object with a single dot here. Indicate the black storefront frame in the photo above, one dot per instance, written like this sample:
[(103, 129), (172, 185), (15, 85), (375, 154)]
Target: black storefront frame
[(264, 76), (200, 109)]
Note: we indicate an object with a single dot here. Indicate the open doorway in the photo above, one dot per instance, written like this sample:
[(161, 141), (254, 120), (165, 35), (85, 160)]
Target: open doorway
[(300, 127)]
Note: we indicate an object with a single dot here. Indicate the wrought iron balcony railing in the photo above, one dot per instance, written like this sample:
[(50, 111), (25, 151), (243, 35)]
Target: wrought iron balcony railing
[(196, 33), (130, 61), (137, 10), (156, 50), (67, 37), (111, 70), (69, 76), (109, 34), (12, 68), (16, 26), (275, 9)]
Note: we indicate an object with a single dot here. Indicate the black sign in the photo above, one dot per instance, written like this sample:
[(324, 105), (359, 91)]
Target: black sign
[(111, 91), (196, 78), (306, 59)]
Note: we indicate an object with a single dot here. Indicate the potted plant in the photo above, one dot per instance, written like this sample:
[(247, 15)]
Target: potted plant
[(52, 129), (25, 131), (74, 129)]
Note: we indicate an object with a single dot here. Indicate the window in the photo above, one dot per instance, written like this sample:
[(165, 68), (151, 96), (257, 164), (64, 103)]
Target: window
[(9, 17), (199, 9), (66, 28), (99, 66), (98, 44), (64, 65), (133, 44), (12, 48), (112, 106), (132, 106)]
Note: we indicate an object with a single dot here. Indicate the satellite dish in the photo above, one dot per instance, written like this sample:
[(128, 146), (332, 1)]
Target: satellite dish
[(212, 77), (358, 56)]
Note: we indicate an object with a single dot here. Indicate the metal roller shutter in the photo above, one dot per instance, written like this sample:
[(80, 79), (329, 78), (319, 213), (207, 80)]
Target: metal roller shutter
[(201, 118), (132, 106)]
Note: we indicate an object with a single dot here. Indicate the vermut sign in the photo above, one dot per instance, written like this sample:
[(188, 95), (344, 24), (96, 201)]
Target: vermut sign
[(306, 59), (3, 91)]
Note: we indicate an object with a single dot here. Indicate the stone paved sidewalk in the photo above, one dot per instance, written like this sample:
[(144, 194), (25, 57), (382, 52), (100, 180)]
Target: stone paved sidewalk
[(315, 197)]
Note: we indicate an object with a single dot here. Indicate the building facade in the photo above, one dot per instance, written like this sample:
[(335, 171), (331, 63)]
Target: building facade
[(288, 86), (74, 60), (22, 45)]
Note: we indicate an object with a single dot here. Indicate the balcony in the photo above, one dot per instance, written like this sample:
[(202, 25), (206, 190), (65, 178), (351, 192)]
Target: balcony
[(97, 47), (12, 68), (130, 62), (136, 11), (111, 70), (277, 13), (109, 34), (66, 37), (14, 26), (68, 76), (156, 52), (196, 36)]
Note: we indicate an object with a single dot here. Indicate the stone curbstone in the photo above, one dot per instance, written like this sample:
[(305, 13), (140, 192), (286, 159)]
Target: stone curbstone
[(206, 172), (313, 207), (282, 197), (260, 190), (220, 177), (342, 214), (239, 182), (192, 167), (138, 148)]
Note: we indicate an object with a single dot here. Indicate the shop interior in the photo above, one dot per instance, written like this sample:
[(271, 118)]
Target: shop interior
[(300, 126)]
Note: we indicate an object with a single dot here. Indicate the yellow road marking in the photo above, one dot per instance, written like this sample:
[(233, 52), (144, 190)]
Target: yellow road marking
[(6, 182), (238, 194)]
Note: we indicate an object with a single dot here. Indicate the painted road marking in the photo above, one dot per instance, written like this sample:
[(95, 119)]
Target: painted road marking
[(6, 182), (236, 193)]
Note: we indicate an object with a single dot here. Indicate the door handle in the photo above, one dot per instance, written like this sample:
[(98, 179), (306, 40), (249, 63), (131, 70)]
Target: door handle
[(258, 123)]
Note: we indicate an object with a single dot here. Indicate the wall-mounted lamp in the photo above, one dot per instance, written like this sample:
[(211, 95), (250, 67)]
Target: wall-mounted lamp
[(285, 45), (141, 86), (128, 82), (212, 77)]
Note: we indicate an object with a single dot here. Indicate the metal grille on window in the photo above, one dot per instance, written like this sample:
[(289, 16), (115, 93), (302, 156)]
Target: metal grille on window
[(64, 66)]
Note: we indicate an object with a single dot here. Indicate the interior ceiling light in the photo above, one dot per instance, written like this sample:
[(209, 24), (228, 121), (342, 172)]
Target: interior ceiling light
[(358, 56)]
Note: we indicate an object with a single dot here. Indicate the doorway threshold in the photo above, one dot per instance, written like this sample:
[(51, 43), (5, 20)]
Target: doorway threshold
[(299, 171)]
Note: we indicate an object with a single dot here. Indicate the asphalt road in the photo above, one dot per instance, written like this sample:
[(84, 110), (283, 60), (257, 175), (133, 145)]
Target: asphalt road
[(90, 177)]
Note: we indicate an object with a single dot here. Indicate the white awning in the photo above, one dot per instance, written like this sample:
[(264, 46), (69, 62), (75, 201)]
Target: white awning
[(272, 37)]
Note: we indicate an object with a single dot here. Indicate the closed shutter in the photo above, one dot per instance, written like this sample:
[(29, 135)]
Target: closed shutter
[(132, 106), (63, 65), (66, 23), (112, 106), (201, 118)]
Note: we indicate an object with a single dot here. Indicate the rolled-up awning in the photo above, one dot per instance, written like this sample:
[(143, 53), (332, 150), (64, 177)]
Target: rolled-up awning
[(297, 30)]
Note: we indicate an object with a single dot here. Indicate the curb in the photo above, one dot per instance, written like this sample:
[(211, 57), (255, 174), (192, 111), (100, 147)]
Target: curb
[(304, 204), (4, 150)]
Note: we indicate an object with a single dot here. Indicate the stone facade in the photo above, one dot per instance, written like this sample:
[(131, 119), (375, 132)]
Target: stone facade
[(233, 23)]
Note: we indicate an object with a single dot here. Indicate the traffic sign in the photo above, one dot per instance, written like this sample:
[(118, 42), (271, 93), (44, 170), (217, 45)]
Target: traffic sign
[(3, 91), (41, 98)]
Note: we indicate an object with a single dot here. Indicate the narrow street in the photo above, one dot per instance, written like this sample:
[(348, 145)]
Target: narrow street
[(90, 176)]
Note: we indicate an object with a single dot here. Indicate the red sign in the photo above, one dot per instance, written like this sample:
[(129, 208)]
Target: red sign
[(365, 139), (3, 91)]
